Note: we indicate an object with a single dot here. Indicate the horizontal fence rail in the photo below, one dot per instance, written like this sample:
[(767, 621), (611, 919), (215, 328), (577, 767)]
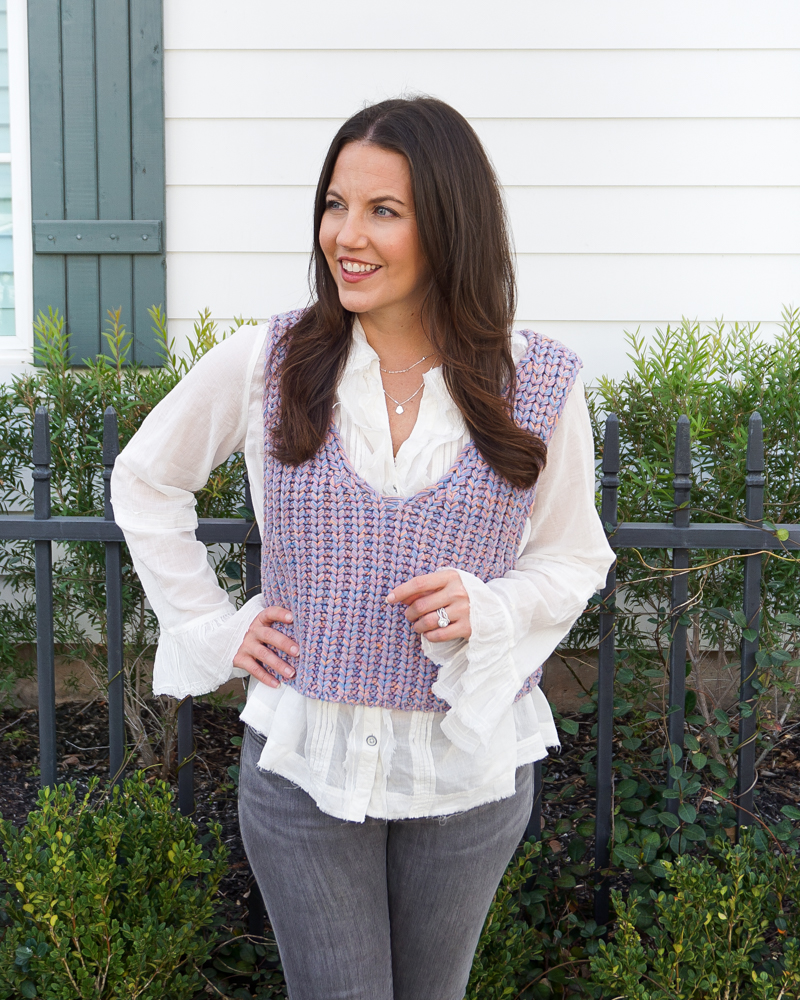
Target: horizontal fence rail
[(679, 537)]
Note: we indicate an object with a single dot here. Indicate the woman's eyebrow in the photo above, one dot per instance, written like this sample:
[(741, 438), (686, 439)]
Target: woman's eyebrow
[(386, 197), (333, 193)]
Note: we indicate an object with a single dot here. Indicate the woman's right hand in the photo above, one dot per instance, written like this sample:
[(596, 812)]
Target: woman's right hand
[(257, 650)]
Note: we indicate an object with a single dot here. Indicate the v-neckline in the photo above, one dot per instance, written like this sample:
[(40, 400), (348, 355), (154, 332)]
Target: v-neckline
[(359, 481)]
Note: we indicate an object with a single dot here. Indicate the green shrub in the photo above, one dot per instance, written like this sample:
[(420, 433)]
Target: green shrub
[(107, 897), (723, 930)]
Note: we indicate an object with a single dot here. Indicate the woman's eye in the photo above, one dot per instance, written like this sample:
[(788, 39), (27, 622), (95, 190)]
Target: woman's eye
[(384, 212), (331, 205)]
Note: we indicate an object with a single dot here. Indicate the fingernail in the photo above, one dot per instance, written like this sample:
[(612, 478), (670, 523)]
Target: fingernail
[(290, 673), (294, 650), (289, 618), (390, 598)]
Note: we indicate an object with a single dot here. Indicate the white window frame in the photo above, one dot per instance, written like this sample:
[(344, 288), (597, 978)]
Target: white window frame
[(17, 351)]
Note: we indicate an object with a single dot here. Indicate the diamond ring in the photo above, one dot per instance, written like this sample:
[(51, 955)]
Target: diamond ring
[(444, 618)]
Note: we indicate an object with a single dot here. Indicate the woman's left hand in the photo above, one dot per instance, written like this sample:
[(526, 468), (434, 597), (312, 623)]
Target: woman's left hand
[(424, 595)]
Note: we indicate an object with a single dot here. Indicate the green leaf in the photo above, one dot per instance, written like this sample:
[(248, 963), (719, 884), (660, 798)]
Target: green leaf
[(569, 726), (791, 811), (687, 812), (626, 856), (750, 634), (718, 770), (694, 832), (721, 613), (699, 760), (691, 741), (626, 788), (788, 618), (669, 820), (632, 805), (28, 989), (232, 570)]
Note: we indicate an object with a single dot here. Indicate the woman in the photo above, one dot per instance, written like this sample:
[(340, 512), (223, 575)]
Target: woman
[(395, 434)]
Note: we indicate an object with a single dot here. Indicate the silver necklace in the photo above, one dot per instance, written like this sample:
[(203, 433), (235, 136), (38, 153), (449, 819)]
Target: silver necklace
[(401, 402), (400, 371)]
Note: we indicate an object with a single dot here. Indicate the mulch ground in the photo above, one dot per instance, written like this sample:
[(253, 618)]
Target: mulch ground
[(82, 744)]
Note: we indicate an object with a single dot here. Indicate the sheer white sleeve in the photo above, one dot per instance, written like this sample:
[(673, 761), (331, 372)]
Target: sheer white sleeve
[(518, 620), (191, 431)]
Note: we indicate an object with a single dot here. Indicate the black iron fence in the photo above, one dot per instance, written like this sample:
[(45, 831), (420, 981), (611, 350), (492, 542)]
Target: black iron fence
[(681, 536)]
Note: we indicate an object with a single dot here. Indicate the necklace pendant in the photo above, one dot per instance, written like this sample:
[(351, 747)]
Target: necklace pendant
[(399, 409)]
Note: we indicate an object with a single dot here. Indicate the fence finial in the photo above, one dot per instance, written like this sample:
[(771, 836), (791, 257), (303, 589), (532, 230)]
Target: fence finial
[(610, 480), (682, 466), (755, 445), (110, 452), (41, 464)]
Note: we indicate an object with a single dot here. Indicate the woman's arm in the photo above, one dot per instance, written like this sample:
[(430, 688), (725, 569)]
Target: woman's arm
[(516, 621), (190, 432)]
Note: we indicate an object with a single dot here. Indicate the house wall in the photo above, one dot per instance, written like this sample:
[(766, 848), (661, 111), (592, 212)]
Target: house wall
[(648, 151)]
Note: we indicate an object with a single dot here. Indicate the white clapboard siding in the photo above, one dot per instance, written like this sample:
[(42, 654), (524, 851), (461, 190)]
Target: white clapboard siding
[(627, 288), (617, 151), (544, 219), (648, 151), (474, 24), (513, 84)]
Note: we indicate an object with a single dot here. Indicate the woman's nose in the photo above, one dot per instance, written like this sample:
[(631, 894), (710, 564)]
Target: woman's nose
[(352, 233)]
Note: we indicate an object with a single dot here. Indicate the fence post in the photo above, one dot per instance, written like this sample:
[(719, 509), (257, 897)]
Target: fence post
[(186, 757), (114, 624), (252, 584), (252, 550), (45, 643), (681, 517), (751, 606), (606, 655)]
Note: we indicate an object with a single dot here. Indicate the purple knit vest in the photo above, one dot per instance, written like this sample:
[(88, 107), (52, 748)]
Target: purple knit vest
[(333, 547)]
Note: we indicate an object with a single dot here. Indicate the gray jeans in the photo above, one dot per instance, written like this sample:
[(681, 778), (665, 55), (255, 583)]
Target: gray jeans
[(380, 910)]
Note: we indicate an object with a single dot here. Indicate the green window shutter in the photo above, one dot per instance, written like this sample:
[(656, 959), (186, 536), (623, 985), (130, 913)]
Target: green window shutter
[(97, 166)]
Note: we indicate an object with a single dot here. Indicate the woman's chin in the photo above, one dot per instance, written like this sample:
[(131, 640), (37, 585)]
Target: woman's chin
[(355, 299)]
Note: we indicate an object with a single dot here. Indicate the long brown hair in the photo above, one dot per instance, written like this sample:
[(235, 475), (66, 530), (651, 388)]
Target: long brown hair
[(469, 304)]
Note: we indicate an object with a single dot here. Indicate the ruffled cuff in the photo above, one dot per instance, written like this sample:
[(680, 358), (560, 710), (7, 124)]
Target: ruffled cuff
[(476, 676), (198, 658)]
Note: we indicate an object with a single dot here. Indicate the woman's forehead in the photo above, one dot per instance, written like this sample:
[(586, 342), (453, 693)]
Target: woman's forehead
[(368, 169)]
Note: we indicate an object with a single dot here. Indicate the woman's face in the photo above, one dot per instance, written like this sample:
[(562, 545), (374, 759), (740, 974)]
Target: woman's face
[(369, 234)]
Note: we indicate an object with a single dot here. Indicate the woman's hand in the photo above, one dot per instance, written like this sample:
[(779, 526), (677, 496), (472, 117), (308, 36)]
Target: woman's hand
[(424, 595), (259, 644)]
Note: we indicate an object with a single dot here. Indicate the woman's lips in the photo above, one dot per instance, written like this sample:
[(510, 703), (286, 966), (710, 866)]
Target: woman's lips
[(352, 277)]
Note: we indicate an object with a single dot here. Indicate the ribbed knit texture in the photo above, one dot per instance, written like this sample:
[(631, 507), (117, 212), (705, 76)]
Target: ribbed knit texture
[(334, 547)]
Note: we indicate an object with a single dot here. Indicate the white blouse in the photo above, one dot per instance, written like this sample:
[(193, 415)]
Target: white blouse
[(358, 761)]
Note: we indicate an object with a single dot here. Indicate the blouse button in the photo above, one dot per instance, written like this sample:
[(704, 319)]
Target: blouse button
[(371, 741)]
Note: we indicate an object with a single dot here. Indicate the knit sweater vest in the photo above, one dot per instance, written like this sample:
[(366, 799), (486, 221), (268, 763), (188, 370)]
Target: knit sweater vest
[(333, 547)]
